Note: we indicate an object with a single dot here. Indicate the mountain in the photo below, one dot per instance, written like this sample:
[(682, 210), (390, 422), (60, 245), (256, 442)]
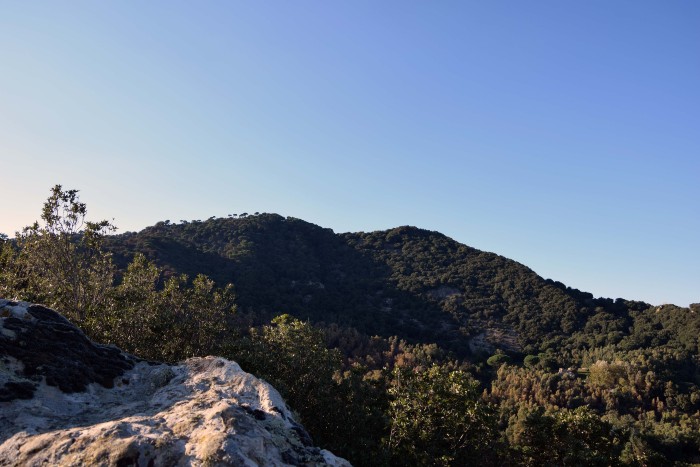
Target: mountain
[(419, 285), (390, 320), (68, 401)]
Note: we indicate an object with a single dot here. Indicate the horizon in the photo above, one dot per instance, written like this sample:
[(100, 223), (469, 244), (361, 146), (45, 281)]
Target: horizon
[(562, 137)]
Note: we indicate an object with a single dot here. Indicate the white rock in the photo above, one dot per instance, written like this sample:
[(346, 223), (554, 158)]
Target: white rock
[(205, 411)]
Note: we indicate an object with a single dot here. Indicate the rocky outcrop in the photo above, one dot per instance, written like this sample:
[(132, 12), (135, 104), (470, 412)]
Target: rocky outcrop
[(41, 345), (67, 401)]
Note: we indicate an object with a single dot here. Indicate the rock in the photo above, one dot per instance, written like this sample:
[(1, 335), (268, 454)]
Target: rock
[(67, 401), (443, 292), (47, 347)]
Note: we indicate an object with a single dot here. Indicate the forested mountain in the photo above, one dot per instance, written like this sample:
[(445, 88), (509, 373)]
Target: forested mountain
[(414, 283), (398, 347), (576, 380)]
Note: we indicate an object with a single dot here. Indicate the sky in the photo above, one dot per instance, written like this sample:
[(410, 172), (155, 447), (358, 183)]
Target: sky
[(563, 135)]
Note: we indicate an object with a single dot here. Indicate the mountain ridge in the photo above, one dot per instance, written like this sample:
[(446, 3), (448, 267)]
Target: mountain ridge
[(408, 281)]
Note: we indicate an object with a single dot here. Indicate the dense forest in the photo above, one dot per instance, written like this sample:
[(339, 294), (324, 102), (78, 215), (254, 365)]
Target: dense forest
[(398, 347)]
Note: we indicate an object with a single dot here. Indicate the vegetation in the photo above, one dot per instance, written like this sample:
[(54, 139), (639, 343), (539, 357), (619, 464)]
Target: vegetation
[(61, 261), (400, 347), (437, 416)]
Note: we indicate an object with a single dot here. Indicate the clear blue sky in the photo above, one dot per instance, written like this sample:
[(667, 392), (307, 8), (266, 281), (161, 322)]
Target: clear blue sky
[(564, 135)]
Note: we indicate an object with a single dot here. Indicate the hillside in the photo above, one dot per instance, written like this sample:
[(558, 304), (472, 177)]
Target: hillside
[(414, 283)]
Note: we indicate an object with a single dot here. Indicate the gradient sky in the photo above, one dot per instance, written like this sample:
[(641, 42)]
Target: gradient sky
[(564, 135)]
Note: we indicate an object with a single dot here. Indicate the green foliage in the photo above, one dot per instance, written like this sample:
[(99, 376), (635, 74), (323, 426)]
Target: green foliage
[(170, 323), (638, 452), (607, 375), (196, 319), (362, 402), (343, 412), (300, 358), (438, 417), (291, 355), (566, 438), (60, 262), (548, 361), (498, 359), (531, 361), (12, 276)]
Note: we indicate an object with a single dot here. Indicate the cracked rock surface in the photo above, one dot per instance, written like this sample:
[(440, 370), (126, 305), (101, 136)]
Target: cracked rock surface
[(67, 401)]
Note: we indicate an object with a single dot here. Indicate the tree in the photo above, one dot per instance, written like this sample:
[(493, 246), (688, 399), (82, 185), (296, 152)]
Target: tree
[(60, 262), (437, 417), (168, 323), (197, 319), (130, 323), (531, 361), (12, 280), (293, 357), (563, 437), (498, 359), (607, 375), (293, 354)]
